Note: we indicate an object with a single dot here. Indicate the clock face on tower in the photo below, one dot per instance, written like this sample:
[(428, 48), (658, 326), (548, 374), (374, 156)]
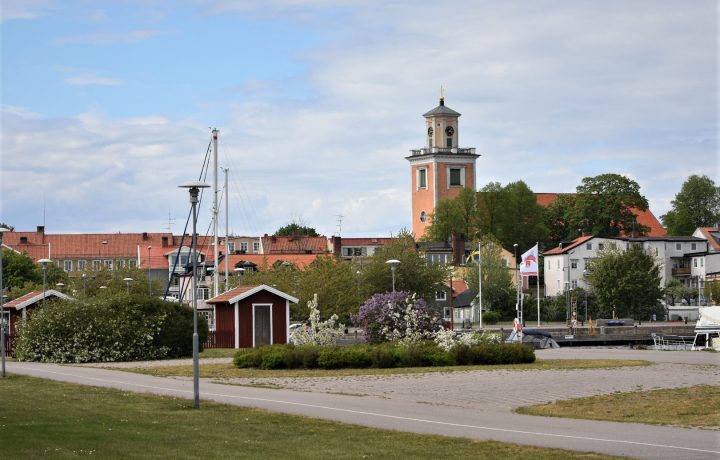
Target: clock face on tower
[(430, 131), (449, 130)]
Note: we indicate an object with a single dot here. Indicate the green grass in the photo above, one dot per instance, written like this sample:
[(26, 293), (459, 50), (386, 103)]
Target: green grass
[(697, 406), (42, 418), (228, 371), (218, 353)]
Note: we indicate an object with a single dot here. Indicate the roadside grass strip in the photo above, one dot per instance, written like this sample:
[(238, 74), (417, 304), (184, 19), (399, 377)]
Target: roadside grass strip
[(228, 371), (696, 407), (43, 418)]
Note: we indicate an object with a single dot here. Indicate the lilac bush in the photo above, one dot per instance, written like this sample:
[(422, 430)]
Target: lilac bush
[(396, 316)]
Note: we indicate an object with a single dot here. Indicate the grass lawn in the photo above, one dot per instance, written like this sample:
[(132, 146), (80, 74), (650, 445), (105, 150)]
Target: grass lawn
[(697, 406), (218, 353), (229, 371), (43, 418)]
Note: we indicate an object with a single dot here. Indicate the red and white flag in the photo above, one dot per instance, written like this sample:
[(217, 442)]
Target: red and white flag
[(529, 264)]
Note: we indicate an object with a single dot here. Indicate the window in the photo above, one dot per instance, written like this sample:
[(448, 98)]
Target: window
[(68, 265), (231, 247), (694, 262), (656, 251), (121, 263), (437, 258), (243, 246), (701, 262), (256, 247), (558, 264), (132, 263), (613, 246), (447, 313), (109, 264), (449, 142), (678, 246), (574, 284), (601, 246), (210, 317), (423, 216), (573, 263), (456, 177), (81, 265), (422, 178), (693, 246), (5, 321), (203, 293), (440, 295), (505, 262), (97, 264), (588, 246)]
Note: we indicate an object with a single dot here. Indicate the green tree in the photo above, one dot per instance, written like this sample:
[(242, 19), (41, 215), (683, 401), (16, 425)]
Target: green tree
[(498, 292), (696, 205), (336, 283), (519, 218), (413, 273), (454, 215), (18, 270), (628, 283), (296, 229)]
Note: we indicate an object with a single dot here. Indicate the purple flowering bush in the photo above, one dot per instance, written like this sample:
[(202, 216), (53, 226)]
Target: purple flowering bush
[(396, 316)]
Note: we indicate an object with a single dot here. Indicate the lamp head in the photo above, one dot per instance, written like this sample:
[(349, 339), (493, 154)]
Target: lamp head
[(44, 262), (194, 188), (393, 263)]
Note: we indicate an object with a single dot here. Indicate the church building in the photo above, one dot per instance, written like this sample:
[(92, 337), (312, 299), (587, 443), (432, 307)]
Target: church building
[(440, 169)]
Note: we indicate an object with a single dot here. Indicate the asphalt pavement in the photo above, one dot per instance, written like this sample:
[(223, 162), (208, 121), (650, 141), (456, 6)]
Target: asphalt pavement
[(437, 403)]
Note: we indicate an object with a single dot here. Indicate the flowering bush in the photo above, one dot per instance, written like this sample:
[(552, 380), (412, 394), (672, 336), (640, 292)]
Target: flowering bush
[(117, 329), (396, 316), (319, 332), (447, 339)]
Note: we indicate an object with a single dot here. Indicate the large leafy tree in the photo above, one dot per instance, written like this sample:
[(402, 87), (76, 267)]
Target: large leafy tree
[(19, 269), (696, 205), (602, 206), (627, 282), (413, 274), (498, 292), (296, 229), (519, 219), (454, 215)]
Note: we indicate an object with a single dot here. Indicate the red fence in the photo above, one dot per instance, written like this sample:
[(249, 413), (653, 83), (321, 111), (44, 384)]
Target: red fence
[(220, 339), (9, 339)]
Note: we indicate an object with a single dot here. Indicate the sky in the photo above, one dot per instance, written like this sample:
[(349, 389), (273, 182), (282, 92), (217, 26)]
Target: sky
[(108, 106)]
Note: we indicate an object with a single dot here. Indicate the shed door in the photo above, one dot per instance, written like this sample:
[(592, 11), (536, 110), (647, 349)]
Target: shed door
[(262, 325)]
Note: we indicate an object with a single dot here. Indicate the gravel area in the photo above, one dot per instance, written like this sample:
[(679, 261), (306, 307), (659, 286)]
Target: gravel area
[(162, 363)]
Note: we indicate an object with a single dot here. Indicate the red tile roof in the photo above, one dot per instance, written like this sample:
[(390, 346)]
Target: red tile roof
[(295, 245), (646, 218), (458, 287), (267, 260), (575, 243), (712, 235), (33, 297)]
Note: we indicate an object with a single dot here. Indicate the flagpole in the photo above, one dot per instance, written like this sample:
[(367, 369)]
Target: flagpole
[(480, 285), (538, 283)]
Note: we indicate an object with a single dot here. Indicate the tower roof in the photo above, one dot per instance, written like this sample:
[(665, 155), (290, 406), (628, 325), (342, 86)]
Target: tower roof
[(441, 110)]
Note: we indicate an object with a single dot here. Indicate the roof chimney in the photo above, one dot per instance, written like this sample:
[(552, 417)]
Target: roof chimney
[(458, 248), (145, 236), (164, 241), (336, 246)]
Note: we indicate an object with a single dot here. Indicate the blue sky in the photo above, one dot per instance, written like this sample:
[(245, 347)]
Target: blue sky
[(106, 106)]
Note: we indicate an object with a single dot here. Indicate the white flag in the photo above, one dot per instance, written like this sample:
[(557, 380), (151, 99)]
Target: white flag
[(529, 264)]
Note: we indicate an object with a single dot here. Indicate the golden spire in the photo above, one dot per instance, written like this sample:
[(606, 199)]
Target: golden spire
[(442, 94)]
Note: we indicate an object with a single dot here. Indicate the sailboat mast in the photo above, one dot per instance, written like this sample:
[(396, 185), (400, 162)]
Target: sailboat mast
[(216, 291), (227, 232)]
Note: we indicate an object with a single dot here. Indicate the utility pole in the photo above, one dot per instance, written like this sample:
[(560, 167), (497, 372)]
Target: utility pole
[(227, 231), (216, 290)]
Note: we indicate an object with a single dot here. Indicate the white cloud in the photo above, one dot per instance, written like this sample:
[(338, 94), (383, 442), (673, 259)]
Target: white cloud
[(25, 9), (89, 79), (107, 38)]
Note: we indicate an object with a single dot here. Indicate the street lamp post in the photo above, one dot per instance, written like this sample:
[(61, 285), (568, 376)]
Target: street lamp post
[(84, 281), (128, 283), (517, 284), (194, 189), (148, 271), (2, 306), (44, 263), (393, 266), (239, 272)]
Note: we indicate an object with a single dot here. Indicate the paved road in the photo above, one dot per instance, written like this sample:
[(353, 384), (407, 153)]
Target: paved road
[(424, 403)]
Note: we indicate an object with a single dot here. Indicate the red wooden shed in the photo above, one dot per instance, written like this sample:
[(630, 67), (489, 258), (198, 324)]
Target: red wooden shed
[(248, 316)]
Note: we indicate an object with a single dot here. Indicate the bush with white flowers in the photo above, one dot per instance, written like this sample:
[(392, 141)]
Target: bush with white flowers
[(318, 332)]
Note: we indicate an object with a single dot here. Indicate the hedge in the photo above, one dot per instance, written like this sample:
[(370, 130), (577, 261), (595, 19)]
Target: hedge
[(125, 328), (385, 355)]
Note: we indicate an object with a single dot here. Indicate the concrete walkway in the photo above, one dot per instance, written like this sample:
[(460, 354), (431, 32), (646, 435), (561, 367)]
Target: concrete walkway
[(475, 404)]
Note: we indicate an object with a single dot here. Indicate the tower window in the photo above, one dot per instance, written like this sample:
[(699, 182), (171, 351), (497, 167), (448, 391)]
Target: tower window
[(449, 142), (456, 177), (423, 216), (422, 178)]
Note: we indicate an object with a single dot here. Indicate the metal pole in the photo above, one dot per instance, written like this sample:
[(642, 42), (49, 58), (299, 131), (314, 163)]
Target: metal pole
[(2, 307), (480, 284), (517, 285), (227, 232), (392, 268), (196, 346), (148, 271), (216, 287)]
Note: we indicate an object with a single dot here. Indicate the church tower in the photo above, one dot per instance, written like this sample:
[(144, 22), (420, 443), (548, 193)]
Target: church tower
[(440, 169)]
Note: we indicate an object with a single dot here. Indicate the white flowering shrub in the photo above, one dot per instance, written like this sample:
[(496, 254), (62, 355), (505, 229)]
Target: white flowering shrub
[(118, 329), (318, 332), (447, 339)]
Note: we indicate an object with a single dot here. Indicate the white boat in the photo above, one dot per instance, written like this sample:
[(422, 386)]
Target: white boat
[(707, 329)]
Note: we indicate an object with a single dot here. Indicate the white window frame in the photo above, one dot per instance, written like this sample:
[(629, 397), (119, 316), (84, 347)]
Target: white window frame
[(462, 176), (210, 317), (81, 265), (588, 246), (441, 295), (97, 264), (693, 246), (67, 265), (243, 246), (419, 175), (132, 263), (108, 263), (574, 263), (121, 263), (256, 246), (678, 246), (231, 247)]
